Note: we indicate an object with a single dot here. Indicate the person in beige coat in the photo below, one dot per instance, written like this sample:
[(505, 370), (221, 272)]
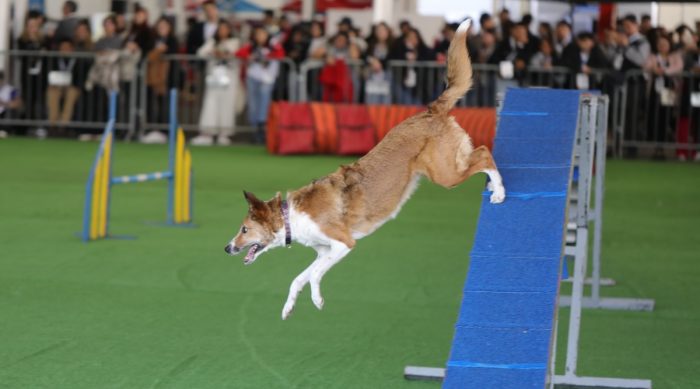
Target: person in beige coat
[(218, 116)]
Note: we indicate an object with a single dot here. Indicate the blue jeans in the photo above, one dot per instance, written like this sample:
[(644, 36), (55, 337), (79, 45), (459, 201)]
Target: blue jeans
[(259, 96)]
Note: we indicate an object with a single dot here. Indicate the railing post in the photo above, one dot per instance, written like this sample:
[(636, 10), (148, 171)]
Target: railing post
[(303, 97)]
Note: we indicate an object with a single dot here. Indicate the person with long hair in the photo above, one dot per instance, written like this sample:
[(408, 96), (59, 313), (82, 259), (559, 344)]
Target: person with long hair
[(377, 87), (140, 32), (82, 37), (262, 67), (317, 45), (161, 75), (688, 115), (411, 81), (218, 117), (82, 43)]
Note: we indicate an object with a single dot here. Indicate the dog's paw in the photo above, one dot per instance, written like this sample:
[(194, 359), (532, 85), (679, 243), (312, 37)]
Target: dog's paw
[(287, 310), (489, 186), (498, 195), (318, 302)]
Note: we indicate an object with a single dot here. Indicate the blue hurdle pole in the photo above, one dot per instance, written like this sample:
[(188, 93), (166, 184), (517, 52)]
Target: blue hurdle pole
[(112, 119), (171, 152)]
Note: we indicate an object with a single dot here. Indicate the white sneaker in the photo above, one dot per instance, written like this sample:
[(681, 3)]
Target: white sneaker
[(154, 137), (3, 134), (202, 140), (223, 140), (85, 137), (697, 157), (41, 133)]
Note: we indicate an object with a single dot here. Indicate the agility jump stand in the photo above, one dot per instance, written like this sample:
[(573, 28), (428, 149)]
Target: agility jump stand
[(100, 181), (590, 145), (505, 335), (595, 149)]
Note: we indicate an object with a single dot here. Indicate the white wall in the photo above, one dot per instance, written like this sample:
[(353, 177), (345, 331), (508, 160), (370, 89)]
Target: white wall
[(4, 32), (671, 15), (85, 7), (429, 26), (637, 9), (360, 18), (453, 11)]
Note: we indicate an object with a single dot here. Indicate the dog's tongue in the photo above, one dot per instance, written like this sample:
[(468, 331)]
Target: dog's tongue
[(251, 253)]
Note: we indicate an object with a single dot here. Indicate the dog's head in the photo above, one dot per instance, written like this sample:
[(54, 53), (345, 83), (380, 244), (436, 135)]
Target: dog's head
[(261, 230)]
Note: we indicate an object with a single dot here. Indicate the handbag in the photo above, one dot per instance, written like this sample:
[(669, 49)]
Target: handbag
[(377, 84), (219, 77), (60, 78)]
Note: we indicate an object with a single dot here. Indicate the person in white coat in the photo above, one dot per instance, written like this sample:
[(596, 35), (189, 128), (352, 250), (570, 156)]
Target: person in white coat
[(218, 116)]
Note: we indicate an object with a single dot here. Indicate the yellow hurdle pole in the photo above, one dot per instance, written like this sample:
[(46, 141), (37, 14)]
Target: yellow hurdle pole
[(106, 177), (187, 187), (95, 217), (179, 156)]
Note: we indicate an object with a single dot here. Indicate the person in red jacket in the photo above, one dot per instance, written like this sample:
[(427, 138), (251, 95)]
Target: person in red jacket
[(261, 67)]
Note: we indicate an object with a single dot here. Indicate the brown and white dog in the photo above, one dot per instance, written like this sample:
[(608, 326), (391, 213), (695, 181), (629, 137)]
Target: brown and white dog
[(331, 213)]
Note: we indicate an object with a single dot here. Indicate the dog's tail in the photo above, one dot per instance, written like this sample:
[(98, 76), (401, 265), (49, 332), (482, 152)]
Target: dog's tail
[(459, 72)]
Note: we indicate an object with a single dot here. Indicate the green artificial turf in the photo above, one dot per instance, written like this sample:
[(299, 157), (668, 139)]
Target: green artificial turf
[(171, 310)]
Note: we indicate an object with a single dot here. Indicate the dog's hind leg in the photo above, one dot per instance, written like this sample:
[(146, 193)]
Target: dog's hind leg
[(481, 160), (443, 171), (300, 281), (336, 253)]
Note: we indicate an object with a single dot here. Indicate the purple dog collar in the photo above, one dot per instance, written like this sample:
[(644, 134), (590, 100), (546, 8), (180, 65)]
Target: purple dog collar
[(287, 229)]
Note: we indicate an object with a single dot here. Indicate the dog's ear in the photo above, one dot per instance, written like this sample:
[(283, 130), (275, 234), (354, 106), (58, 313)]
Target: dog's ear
[(276, 202), (253, 201)]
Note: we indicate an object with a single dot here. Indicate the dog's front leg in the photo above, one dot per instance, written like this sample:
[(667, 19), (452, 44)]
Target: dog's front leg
[(300, 281), (338, 251)]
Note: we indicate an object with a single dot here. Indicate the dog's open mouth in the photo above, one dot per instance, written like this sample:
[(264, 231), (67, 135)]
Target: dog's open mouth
[(250, 257)]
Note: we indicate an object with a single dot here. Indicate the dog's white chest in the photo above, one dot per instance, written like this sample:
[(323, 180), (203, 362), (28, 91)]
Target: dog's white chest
[(305, 230)]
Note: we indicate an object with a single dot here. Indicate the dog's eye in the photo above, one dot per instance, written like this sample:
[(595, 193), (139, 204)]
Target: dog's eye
[(244, 229)]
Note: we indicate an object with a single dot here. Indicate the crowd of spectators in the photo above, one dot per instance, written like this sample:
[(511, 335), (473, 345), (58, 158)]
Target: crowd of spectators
[(52, 89)]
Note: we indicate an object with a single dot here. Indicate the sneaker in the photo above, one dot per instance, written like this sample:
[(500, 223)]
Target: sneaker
[(85, 137), (41, 133), (3, 134), (697, 157), (154, 137), (202, 140), (223, 140)]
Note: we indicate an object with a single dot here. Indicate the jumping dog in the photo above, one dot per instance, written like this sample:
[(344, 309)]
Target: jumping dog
[(332, 213)]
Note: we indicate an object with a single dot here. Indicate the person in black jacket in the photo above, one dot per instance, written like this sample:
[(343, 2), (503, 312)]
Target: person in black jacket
[(518, 49), (66, 26), (582, 56), (33, 74), (203, 31)]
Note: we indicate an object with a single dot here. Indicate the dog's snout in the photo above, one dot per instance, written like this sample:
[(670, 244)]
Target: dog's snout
[(231, 249)]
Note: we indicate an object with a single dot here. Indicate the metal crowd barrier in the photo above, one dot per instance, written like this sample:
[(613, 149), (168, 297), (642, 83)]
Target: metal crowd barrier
[(194, 76), (309, 88), (659, 113), (647, 115), (50, 100)]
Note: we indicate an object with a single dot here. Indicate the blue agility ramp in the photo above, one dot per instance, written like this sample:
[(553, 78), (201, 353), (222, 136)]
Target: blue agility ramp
[(506, 329), (504, 332)]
